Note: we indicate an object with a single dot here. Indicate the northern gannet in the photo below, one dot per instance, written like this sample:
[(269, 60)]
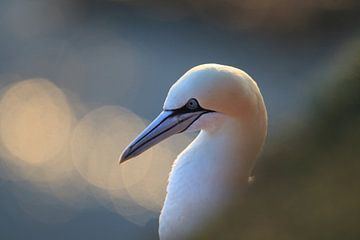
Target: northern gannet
[(226, 106)]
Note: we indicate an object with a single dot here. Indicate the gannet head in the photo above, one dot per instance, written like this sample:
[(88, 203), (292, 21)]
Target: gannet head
[(199, 100)]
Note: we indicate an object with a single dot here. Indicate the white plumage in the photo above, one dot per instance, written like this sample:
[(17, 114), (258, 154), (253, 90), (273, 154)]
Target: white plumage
[(225, 104)]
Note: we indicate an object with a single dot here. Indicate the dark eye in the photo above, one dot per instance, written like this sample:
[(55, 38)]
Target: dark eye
[(192, 104)]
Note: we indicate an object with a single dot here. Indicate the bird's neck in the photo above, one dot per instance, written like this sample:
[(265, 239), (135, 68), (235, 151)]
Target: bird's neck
[(224, 155), (207, 174)]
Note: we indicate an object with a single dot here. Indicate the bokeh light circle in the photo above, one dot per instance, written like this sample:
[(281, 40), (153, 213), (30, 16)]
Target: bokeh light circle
[(150, 192), (35, 121), (97, 142)]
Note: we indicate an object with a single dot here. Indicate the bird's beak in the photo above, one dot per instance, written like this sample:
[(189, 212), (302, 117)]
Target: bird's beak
[(168, 123)]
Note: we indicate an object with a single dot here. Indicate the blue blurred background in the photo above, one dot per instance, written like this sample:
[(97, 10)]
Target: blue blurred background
[(101, 65)]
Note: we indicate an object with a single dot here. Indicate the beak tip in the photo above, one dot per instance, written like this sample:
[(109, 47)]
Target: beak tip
[(124, 156), (121, 159)]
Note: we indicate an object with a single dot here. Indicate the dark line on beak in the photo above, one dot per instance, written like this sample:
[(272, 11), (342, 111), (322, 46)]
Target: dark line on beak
[(163, 120), (164, 131)]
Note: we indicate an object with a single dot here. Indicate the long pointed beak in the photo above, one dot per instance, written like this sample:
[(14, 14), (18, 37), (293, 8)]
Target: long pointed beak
[(168, 123)]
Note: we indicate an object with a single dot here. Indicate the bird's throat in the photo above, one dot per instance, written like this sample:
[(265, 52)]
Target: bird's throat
[(206, 175)]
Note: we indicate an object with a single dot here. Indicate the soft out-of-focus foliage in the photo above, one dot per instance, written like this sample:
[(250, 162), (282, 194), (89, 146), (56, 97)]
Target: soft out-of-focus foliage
[(278, 15), (307, 184)]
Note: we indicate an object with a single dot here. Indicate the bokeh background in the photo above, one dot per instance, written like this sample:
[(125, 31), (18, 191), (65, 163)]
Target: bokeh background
[(79, 79)]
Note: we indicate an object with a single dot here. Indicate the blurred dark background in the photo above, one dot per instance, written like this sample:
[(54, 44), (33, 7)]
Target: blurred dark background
[(305, 56)]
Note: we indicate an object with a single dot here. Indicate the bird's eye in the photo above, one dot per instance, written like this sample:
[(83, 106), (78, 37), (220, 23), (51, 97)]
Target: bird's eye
[(192, 104)]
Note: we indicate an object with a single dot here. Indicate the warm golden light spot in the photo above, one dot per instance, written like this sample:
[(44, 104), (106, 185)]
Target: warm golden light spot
[(125, 205), (69, 165), (150, 192), (97, 142), (35, 121), (57, 170)]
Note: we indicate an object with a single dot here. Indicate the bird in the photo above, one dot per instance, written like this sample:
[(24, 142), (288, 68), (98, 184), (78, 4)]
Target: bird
[(224, 104)]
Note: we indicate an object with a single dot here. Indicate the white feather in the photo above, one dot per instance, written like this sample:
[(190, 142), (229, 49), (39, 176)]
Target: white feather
[(212, 169)]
